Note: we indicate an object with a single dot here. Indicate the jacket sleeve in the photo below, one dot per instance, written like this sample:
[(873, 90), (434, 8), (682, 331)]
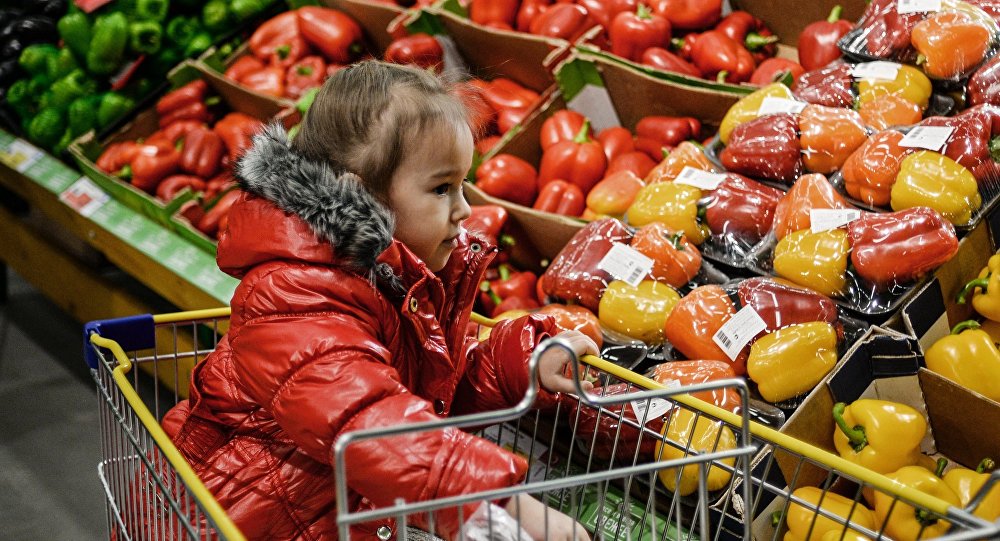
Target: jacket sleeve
[(337, 381), (497, 373)]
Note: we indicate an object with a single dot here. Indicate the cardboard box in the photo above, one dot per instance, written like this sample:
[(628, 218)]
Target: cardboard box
[(787, 18)]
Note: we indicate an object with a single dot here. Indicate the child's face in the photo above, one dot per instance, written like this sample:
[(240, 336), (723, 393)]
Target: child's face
[(426, 192)]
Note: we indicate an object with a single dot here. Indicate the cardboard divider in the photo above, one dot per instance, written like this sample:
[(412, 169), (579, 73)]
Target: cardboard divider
[(374, 18), (787, 18)]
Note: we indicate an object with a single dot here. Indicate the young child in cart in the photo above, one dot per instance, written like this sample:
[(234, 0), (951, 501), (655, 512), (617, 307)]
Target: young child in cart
[(357, 282)]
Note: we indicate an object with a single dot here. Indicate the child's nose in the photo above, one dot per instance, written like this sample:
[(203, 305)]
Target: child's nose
[(461, 211)]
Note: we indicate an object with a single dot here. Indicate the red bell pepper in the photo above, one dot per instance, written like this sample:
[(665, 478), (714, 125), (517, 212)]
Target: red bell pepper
[(570, 317), (269, 81), (482, 116), (662, 59), (152, 164), (969, 144), (215, 218), (573, 274), (117, 156), (562, 21), (676, 261), (243, 66), (721, 58), (220, 183), (508, 177), (886, 32), (613, 195), (561, 197), (741, 209), (529, 10), (781, 304), (202, 154), (193, 92), (487, 221), (817, 43), (984, 85), (510, 285), (563, 125), (669, 131), (513, 303), (279, 40), (896, 247), (604, 435), (331, 32), (418, 49), (502, 93), (603, 12), (173, 134), (695, 372), (651, 147), (616, 141), (750, 32), (766, 147), (689, 14), (639, 163), (580, 161), (492, 11), (486, 144), (236, 131), (172, 185), (780, 70), (830, 86), (308, 73), (632, 32), (694, 321), (197, 111), (812, 191), (508, 118)]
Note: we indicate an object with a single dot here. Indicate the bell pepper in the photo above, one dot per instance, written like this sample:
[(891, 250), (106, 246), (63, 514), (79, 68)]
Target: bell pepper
[(792, 360), (561, 197), (216, 218), (747, 107), (279, 39), (236, 130), (966, 484), (503, 93), (689, 14), (192, 92), (828, 136), (175, 133), (216, 15), (695, 320), (693, 372), (35, 59), (47, 127), (172, 185), (638, 163), (563, 125), (145, 37), (902, 521), (488, 222), (720, 58), (871, 170), (418, 49), (107, 43), (669, 131), (987, 301), (269, 81), (637, 311), (741, 209), (528, 11), (116, 156), (887, 32), (81, 116), (73, 86), (806, 524), (243, 66), (793, 212), (580, 161), (508, 118), (675, 260), (510, 284), (562, 21), (329, 31), (969, 144), (203, 152), (814, 260), (508, 177), (765, 147), (691, 433), (75, 31), (662, 59), (571, 317), (910, 84), (880, 435), (309, 72), (152, 164), (984, 85), (929, 179), (817, 45), (603, 435), (750, 32), (574, 274), (781, 70), (152, 10), (831, 86), (615, 141), (969, 357), (897, 247), (782, 304), (674, 205), (686, 154), (489, 11), (951, 43), (889, 110), (634, 31), (613, 195)]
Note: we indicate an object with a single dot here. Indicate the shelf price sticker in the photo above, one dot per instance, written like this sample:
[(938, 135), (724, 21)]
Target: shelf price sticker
[(821, 220), (20, 155), (918, 6), (880, 69), (704, 180), (736, 333), (84, 197), (626, 264), (927, 137), (772, 106)]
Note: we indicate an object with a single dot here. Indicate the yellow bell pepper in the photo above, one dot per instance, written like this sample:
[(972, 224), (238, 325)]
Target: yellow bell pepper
[(986, 301), (910, 84), (791, 361), (687, 430), (801, 518), (674, 205), (966, 484), (929, 179), (638, 312), (746, 109), (906, 523), (838, 535), (814, 260), (969, 357), (880, 435)]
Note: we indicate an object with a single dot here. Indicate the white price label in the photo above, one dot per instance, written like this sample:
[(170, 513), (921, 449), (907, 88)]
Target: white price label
[(928, 137), (773, 106), (821, 220), (917, 6), (626, 264), (84, 196), (704, 180), (736, 333), (653, 408), (20, 155), (882, 70)]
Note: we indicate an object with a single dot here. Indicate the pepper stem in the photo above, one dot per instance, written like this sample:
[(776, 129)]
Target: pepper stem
[(965, 326), (506, 241), (504, 271), (583, 136), (995, 149), (855, 435), (978, 283), (835, 14), (677, 43), (986, 464), (283, 51), (675, 241), (124, 172), (484, 286), (643, 12), (721, 77), (776, 518), (942, 463), (755, 41), (786, 78), (921, 59)]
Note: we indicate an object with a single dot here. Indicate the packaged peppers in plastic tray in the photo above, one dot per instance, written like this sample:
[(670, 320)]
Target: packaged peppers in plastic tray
[(950, 164), (947, 39)]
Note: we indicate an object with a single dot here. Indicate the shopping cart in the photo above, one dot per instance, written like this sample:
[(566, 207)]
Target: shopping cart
[(633, 460)]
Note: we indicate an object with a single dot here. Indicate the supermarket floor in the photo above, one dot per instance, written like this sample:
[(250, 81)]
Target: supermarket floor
[(49, 432)]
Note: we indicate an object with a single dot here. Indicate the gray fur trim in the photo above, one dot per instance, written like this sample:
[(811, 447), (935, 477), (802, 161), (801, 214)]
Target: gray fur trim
[(338, 208)]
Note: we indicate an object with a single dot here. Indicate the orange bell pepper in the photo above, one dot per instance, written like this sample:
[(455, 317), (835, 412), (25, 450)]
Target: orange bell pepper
[(828, 135), (889, 110), (870, 172), (694, 372), (613, 195), (951, 43), (811, 191), (686, 154), (675, 260), (695, 320)]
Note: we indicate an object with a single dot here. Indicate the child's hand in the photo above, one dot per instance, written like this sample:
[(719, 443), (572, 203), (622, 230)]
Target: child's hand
[(538, 520), (554, 364)]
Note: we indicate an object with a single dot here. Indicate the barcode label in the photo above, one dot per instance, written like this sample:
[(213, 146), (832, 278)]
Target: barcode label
[(880, 69), (736, 333), (821, 220), (625, 263), (928, 137), (918, 6), (772, 106), (653, 408), (705, 180)]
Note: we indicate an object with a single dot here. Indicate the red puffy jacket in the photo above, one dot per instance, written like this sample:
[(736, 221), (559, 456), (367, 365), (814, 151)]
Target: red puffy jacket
[(337, 327)]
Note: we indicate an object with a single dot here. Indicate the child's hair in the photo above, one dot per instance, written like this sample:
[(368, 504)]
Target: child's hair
[(364, 115)]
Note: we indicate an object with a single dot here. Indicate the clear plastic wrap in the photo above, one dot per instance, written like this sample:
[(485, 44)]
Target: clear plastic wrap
[(606, 436)]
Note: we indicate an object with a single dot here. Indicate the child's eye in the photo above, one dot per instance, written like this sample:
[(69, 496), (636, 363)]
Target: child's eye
[(442, 189)]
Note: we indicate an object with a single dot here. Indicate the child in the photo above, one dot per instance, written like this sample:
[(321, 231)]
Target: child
[(357, 285)]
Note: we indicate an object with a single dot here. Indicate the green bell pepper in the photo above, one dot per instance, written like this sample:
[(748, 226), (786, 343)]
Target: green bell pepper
[(198, 44), (47, 127), (63, 143), (244, 9), (215, 15), (145, 37), (62, 64), (151, 10), (113, 105), (82, 115), (20, 98), (35, 58), (180, 30), (75, 31), (75, 85), (38, 84), (107, 46)]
